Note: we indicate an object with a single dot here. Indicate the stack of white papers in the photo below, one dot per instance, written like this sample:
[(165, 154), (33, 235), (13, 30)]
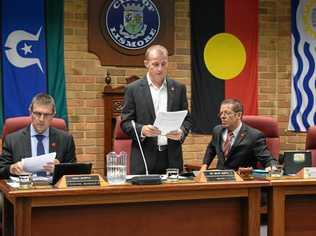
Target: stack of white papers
[(169, 121), (35, 164)]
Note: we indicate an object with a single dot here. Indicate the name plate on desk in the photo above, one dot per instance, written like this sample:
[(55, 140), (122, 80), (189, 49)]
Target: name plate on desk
[(220, 175), (309, 172), (80, 181)]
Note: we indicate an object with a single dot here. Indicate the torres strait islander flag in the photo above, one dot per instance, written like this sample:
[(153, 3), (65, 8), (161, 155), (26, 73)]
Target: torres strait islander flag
[(303, 84), (32, 55), (224, 57)]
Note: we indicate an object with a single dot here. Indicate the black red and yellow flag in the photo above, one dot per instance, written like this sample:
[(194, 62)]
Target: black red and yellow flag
[(224, 57)]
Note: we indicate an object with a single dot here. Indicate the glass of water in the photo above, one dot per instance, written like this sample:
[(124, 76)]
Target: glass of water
[(277, 171), (172, 174), (25, 180), (116, 167)]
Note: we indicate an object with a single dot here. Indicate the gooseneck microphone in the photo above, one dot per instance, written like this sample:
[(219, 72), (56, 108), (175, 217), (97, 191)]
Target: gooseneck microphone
[(140, 147), (144, 179)]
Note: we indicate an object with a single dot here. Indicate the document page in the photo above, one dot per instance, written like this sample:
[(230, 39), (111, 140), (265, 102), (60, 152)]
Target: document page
[(35, 164), (169, 121)]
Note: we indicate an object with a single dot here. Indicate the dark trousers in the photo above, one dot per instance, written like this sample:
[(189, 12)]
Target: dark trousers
[(161, 163)]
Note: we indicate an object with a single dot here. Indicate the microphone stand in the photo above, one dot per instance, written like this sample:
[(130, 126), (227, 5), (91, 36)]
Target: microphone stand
[(144, 179)]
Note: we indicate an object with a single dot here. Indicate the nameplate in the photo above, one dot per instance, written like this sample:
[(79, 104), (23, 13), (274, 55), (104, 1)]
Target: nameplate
[(309, 172), (80, 181), (220, 175)]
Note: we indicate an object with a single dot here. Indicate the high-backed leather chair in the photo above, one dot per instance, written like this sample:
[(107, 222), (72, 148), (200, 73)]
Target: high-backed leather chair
[(310, 143), (16, 123), (269, 127), (122, 142)]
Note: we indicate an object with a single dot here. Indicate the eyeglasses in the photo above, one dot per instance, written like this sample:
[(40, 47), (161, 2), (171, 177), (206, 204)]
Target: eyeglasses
[(38, 115), (226, 113)]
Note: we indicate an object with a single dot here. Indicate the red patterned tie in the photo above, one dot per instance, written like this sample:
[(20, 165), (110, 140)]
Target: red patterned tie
[(227, 143)]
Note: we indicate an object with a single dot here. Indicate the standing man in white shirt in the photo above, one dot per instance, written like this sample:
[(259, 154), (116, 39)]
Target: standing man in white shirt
[(143, 100)]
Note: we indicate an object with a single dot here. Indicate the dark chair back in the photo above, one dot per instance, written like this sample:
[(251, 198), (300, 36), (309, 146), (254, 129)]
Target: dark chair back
[(269, 127), (310, 143), (15, 123)]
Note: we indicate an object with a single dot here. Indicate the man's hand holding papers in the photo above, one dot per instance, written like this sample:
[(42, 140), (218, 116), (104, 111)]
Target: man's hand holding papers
[(150, 131), (44, 162), (175, 135), (169, 123)]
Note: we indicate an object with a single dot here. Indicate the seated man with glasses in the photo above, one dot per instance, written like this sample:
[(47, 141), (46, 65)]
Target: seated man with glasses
[(37, 139), (234, 143)]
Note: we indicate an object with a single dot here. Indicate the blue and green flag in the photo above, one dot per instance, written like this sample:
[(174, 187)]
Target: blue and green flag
[(32, 55)]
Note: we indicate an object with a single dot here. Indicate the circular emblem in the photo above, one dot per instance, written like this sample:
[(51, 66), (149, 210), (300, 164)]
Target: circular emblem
[(132, 24)]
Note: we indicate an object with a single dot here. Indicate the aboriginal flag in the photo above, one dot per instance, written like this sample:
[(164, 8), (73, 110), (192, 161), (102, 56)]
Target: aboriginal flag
[(224, 57)]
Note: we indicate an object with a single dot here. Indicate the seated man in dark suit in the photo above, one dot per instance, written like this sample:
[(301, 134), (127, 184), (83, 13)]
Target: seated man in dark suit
[(36, 139), (234, 143)]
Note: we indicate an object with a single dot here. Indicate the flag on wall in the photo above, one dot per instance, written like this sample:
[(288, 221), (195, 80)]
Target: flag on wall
[(303, 84), (32, 55), (224, 57)]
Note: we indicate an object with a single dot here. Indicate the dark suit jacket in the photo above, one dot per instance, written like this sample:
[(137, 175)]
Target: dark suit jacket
[(17, 146), (248, 148), (138, 106)]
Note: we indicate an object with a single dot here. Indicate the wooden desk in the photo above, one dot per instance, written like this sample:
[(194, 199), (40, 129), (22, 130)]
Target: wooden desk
[(292, 207), (231, 208)]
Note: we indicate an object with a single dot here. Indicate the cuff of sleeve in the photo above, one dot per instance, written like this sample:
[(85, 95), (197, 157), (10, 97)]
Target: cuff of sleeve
[(181, 136), (142, 136)]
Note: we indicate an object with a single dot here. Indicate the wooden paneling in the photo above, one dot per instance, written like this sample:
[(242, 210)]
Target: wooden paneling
[(292, 207), (222, 208)]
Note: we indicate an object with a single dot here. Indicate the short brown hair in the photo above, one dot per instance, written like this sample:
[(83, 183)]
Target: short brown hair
[(237, 106), (43, 99), (157, 47)]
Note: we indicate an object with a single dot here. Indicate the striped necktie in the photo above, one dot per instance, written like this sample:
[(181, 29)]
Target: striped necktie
[(227, 143)]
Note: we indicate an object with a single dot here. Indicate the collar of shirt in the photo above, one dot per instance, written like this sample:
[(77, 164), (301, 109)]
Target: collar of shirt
[(151, 84), (34, 140), (33, 132), (235, 133)]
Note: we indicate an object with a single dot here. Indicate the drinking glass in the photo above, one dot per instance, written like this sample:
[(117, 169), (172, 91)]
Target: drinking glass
[(277, 171), (172, 174), (25, 180)]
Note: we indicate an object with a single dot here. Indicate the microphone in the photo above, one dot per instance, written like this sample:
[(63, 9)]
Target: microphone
[(140, 146), (144, 179)]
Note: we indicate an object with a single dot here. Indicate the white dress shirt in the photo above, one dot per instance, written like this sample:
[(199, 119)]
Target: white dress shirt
[(160, 98), (34, 141)]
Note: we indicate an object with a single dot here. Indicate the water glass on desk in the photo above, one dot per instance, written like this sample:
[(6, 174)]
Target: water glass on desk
[(276, 171), (172, 174), (25, 180), (116, 167)]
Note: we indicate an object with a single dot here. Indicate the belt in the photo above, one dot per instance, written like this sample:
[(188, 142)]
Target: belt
[(162, 148)]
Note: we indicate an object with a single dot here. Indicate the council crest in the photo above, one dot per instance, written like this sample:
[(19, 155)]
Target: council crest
[(132, 24)]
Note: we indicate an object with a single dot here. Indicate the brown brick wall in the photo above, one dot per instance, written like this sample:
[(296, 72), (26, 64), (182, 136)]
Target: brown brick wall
[(85, 77)]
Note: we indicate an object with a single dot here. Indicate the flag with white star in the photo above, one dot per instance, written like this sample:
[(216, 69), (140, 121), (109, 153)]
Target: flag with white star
[(31, 55)]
